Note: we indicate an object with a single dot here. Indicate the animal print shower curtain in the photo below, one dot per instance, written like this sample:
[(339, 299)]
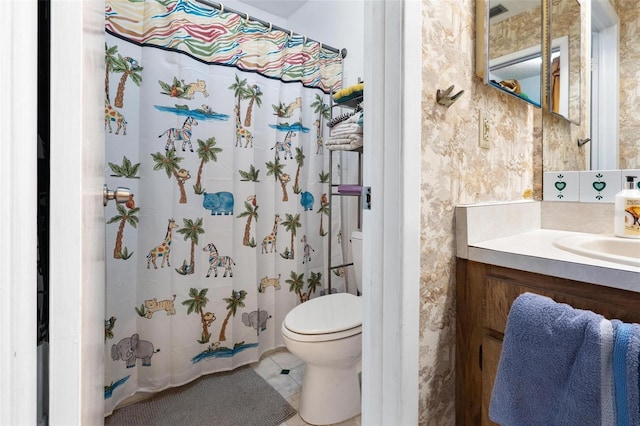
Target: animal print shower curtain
[(215, 123)]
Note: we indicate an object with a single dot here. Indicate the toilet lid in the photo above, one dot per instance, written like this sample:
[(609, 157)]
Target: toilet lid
[(326, 314)]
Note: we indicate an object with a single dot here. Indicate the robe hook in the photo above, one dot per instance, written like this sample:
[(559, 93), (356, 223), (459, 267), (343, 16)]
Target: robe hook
[(443, 98)]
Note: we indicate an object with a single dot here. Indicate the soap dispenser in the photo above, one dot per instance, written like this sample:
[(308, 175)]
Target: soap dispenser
[(627, 211)]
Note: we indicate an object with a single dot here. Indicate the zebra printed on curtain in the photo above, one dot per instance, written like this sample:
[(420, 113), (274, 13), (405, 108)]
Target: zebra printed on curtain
[(215, 123)]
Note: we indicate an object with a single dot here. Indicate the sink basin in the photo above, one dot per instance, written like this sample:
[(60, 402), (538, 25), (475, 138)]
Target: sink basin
[(605, 247)]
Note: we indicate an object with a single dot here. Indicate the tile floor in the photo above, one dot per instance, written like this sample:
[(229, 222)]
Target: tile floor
[(271, 367)]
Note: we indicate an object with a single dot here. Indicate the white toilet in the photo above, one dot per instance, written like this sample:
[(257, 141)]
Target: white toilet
[(326, 333)]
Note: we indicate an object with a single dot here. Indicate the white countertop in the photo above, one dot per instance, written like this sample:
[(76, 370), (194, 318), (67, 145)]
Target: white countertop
[(533, 251)]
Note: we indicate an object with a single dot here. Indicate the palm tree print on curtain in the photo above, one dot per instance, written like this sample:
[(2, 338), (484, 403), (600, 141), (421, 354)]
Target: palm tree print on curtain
[(233, 303), (296, 284), (191, 230), (276, 169), (300, 162), (207, 151), (170, 163), (243, 109), (251, 213), (196, 304), (324, 203), (291, 223), (125, 216), (126, 169), (255, 97), (130, 69), (109, 65), (324, 112)]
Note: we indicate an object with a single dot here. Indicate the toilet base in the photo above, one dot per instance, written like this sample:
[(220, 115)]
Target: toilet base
[(329, 395)]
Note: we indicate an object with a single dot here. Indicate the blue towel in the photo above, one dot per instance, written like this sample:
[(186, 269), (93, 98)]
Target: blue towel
[(549, 369), (626, 374), (633, 375), (623, 333)]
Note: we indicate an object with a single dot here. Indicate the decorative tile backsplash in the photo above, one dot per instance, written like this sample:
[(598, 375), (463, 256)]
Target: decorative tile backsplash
[(561, 186), (599, 186), (590, 186)]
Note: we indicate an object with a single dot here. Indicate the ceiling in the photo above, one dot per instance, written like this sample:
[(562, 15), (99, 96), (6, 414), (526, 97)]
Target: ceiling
[(281, 8), (514, 7)]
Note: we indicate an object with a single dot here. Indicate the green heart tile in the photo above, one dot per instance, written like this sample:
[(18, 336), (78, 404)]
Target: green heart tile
[(560, 185), (599, 186)]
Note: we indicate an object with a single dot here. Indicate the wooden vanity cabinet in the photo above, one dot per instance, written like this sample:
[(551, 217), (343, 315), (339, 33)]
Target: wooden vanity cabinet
[(484, 295)]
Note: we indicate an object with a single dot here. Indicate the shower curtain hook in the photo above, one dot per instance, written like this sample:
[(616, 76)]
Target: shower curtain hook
[(291, 34), (221, 8), (246, 18), (304, 40), (270, 26)]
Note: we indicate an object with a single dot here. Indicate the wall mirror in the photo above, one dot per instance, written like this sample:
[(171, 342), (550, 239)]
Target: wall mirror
[(609, 117), (508, 54), (565, 59)]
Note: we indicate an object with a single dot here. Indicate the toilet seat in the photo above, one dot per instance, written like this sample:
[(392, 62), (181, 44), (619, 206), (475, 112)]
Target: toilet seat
[(332, 317), (320, 337)]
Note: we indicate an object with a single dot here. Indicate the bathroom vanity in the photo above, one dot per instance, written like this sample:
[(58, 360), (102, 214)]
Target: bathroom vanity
[(484, 295), (517, 257)]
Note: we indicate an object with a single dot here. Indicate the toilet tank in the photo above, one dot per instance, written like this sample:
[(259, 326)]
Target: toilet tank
[(356, 255)]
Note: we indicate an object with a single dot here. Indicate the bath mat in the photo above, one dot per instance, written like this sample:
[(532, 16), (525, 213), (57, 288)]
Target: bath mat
[(233, 398)]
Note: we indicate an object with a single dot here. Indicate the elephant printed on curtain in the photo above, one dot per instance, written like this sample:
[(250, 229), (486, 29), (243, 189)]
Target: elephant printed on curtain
[(256, 319), (130, 349)]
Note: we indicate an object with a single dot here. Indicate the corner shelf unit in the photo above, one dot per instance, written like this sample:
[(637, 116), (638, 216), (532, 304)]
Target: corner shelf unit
[(333, 189)]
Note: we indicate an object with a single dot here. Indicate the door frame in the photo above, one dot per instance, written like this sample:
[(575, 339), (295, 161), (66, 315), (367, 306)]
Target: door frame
[(77, 224), (18, 179), (391, 229)]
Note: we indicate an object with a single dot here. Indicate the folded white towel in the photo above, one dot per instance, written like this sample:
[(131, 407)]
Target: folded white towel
[(343, 147), (352, 138), (349, 142), (345, 129)]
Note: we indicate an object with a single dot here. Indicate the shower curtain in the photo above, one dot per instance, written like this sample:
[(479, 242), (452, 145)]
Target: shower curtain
[(215, 123)]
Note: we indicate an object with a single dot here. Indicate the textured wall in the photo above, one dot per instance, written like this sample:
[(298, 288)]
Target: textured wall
[(455, 170), (516, 33)]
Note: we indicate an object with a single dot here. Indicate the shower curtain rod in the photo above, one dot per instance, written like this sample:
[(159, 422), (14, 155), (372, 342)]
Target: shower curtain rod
[(269, 25)]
